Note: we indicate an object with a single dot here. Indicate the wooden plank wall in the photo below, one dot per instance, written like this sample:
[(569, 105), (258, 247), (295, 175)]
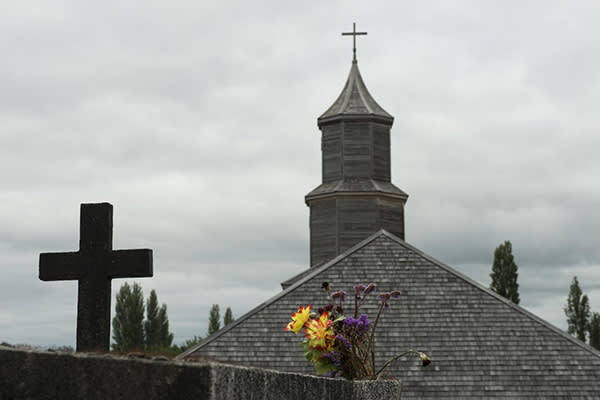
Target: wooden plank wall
[(356, 151), (323, 231), (331, 150), (391, 216), (381, 152)]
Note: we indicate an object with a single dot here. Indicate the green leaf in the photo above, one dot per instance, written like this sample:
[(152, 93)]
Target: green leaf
[(323, 365), (309, 354), (338, 319)]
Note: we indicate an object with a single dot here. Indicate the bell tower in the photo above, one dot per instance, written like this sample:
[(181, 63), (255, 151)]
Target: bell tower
[(356, 197)]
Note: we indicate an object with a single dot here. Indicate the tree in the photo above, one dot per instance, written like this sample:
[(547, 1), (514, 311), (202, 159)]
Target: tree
[(504, 273), (156, 326), (228, 318), (152, 324), (165, 338), (214, 319), (577, 311), (189, 343), (128, 331), (595, 331)]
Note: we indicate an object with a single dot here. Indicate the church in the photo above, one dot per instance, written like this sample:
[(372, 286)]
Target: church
[(481, 344)]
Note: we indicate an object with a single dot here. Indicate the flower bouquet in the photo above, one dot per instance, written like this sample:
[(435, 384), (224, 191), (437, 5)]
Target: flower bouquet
[(342, 345)]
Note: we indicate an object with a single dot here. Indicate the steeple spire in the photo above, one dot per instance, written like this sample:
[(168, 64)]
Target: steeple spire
[(355, 101), (354, 34)]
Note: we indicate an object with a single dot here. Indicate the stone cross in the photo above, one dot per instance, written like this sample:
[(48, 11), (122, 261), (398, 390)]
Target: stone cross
[(354, 34), (94, 266)]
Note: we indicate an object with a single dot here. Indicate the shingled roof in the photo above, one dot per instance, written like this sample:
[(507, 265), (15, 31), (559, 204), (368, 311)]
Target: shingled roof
[(355, 185), (482, 345), (355, 101)]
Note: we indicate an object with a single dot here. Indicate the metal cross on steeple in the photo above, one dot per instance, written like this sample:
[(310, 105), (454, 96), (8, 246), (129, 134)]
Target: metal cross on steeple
[(354, 34)]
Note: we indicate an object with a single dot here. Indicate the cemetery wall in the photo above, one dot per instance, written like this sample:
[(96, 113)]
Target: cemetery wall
[(36, 375)]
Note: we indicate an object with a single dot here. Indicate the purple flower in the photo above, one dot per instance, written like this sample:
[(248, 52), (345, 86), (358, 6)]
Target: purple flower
[(334, 357), (329, 307), (360, 288), (360, 325), (395, 293), (343, 341), (350, 322), (339, 295), (370, 287), (339, 310), (364, 321), (384, 296)]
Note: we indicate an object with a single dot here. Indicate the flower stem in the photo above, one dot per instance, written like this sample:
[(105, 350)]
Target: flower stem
[(371, 339), (391, 360)]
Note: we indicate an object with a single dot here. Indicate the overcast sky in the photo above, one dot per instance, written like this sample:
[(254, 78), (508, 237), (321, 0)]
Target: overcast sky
[(197, 121)]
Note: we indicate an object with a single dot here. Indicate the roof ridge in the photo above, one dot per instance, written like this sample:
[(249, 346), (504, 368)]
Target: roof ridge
[(347, 91), (363, 96), (490, 292)]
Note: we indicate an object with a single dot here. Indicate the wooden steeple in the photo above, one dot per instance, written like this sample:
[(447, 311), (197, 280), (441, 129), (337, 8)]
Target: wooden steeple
[(356, 197)]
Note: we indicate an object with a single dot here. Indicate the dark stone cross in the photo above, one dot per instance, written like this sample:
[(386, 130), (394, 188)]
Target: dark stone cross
[(354, 35), (94, 266)]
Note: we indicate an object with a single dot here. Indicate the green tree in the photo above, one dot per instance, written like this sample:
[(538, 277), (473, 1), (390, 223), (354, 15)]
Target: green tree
[(165, 338), (577, 311), (595, 331), (214, 319), (128, 331), (228, 317), (152, 324), (189, 343), (504, 273)]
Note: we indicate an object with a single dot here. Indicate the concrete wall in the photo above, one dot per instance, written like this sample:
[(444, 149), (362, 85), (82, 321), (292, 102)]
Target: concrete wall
[(46, 375)]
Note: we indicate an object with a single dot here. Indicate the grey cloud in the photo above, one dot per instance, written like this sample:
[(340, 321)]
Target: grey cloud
[(198, 122)]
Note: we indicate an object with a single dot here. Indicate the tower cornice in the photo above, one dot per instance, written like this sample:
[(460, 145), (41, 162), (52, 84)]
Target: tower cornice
[(355, 195), (349, 117)]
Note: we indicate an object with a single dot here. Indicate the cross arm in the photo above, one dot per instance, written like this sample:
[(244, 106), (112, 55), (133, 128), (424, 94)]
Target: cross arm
[(60, 266), (135, 263)]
